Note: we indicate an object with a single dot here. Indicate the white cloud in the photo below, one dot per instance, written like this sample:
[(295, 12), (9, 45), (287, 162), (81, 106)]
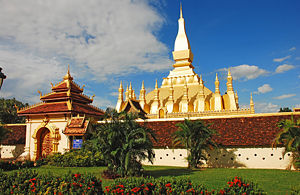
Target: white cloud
[(100, 38), (292, 49), (284, 96), (262, 107), (264, 89), (284, 68), (246, 72), (26, 74), (103, 103), (281, 59)]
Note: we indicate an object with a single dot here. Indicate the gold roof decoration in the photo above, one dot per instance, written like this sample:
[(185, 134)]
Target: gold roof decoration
[(182, 93)]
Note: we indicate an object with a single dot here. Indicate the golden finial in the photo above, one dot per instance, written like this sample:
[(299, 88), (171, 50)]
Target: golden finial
[(16, 107), (201, 81), (82, 87), (40, 92), (181, 10), (68, 75), (217, 79), (121, 86), (229, 73), (51, 84), (143, 86), (156, 86), (93, 97)]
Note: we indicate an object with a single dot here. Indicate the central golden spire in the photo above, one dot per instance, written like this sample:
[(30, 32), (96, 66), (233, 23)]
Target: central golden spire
[(182, 50)]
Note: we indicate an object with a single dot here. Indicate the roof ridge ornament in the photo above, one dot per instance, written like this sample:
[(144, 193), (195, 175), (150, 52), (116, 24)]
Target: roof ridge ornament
[(68, 75)]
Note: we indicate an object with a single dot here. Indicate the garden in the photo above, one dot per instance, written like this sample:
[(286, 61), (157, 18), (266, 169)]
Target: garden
[(110, 163)]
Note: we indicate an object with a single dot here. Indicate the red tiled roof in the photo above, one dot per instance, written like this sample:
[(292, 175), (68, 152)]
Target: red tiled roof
[(87, 109), (61, 107), (233, 132), (16, 134), (77, 126), (64, 96), (44, 108), (62, 86)]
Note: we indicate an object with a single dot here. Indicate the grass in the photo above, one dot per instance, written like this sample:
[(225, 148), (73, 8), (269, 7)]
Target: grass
[(271, 181)]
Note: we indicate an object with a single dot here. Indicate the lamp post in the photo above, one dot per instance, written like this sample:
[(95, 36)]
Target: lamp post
[(2, 77)]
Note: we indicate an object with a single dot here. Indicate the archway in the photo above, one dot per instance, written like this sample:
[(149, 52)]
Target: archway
[(46, 138), (45, 143)]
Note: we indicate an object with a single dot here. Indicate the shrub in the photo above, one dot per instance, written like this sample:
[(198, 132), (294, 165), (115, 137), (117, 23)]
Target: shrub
[(76, 158), (13, 165)]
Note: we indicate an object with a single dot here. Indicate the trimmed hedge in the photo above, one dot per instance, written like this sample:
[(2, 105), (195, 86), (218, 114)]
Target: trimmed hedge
[(76, 158)]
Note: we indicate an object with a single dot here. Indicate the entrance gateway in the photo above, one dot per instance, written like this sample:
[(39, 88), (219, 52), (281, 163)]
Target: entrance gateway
[(62, 116)]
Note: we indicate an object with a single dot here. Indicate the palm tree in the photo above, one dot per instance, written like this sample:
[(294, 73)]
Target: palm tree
[(289, 137), (196, 137), (124, 143)]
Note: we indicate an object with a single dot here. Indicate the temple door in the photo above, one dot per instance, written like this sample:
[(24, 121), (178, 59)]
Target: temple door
[(46, 143)]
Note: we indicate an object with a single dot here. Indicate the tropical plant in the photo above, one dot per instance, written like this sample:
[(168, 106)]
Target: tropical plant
[(8, 111), (123, 142), (289, 137), (285, 109), (196, 137)]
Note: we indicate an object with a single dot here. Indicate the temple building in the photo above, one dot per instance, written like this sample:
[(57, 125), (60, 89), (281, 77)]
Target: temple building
[(59, 122), (183, 93)]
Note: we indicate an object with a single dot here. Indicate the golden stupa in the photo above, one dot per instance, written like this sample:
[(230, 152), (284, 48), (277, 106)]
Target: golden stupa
[(182, 93)]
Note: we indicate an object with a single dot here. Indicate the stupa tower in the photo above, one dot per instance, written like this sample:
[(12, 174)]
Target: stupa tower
[(183, 58)]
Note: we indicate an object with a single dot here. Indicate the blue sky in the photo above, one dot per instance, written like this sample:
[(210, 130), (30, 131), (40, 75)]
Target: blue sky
[(108, 41)]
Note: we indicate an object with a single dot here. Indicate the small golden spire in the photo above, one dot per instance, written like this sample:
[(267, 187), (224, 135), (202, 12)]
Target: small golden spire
[(126, 94), (181, 10), (121, 86), (251, 105), (156, 93), (229, 73), (217, 83), (142, 92), (229, 81), (143, 86)]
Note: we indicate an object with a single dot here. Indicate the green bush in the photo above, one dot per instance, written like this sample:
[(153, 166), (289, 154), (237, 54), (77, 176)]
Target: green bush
[(13, 165), (76, 158), (28, 182)]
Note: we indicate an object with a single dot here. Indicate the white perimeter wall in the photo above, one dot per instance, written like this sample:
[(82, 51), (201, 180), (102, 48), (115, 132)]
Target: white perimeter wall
[(11, 151), (254, 158)]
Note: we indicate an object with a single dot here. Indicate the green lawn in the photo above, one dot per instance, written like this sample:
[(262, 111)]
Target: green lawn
[(272, 181)]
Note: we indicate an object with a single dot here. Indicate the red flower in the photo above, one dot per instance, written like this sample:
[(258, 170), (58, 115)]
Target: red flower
[(168, 185)]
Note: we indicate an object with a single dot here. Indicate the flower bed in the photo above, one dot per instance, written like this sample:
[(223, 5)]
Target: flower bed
[(147, 186), (29, 182)]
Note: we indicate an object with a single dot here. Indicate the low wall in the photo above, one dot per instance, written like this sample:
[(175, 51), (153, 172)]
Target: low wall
[(251, 158), (247, 140)]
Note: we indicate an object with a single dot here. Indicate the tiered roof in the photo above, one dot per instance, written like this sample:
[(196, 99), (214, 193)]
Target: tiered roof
[(66, 98), (77, 126)]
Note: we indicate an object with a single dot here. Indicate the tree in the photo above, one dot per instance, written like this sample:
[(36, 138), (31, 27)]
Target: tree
[(289, 137), (285, 109), (196, 137), (123, 143), (8, 111)]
